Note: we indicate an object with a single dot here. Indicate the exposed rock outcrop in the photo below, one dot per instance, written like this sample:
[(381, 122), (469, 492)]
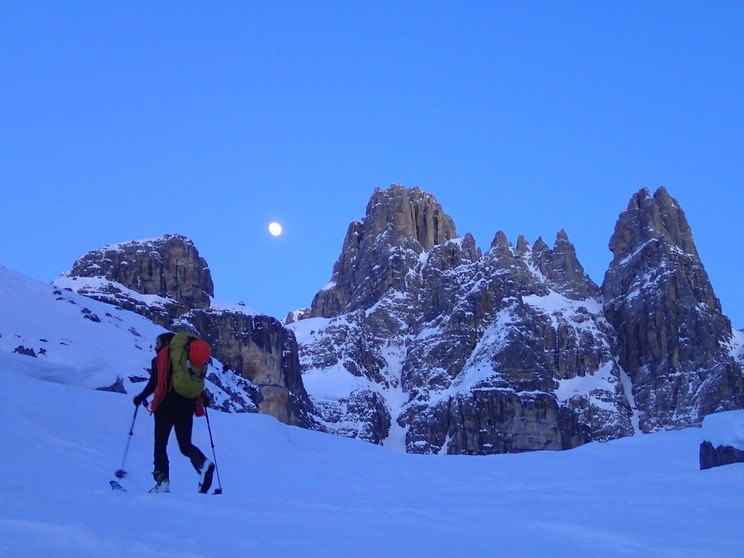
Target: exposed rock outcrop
[(379, 251), (166, 280), (422, 341), (265, 353), (718, 456), (169, 268), (675, 342)]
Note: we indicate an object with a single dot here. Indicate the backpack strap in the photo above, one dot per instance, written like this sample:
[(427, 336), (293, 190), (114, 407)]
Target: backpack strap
[(187, 352), (162, 363)]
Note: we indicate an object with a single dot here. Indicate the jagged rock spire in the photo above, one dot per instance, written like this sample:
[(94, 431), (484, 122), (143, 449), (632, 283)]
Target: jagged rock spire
[(651, 219), (673, 335), (379, 250), (562, 269), (408, 212)]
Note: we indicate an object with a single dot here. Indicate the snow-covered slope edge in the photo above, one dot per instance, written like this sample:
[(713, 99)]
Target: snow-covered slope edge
[(90, 344)]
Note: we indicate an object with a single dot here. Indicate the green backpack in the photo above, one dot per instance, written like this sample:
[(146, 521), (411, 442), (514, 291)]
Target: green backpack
[(188, 357)]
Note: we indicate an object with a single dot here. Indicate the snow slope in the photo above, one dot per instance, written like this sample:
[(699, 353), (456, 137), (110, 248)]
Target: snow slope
[(293, 492), (80, 341), (68, 330)]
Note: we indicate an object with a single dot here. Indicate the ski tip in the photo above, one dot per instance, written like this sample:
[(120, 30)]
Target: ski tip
[(116, 486)]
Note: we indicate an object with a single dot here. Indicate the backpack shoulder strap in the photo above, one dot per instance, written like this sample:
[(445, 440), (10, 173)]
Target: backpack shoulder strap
[(163, 365)]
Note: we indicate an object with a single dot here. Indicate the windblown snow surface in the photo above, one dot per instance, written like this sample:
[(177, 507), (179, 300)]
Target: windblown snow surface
[(293, 492)]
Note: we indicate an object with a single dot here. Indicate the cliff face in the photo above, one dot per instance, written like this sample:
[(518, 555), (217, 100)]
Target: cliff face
[(264, 352), (378, 252), (166, 280), (675, 342), (169, 268), (516, 349)]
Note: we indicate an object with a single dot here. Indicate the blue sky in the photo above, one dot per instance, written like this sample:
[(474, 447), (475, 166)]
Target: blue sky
[(122, 121)]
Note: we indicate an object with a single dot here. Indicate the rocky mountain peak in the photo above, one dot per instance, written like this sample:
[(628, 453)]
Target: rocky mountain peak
[(462, 351), (409, 212), (650, 219), (673, 336), (651, 242), (522, 244), (380, 250), (500, 242), (562, 269), (169, 267)]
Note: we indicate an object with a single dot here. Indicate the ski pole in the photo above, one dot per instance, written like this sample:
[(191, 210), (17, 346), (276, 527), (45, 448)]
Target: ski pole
[(217, 490), (121, 473)]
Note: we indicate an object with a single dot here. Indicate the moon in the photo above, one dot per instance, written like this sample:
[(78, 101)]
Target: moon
[(275, 229)]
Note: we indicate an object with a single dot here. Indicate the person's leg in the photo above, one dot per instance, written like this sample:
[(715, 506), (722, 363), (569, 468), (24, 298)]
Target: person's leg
[(163, 426), (184, 424)]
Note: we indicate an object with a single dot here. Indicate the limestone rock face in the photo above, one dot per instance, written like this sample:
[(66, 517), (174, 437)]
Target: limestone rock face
[(421, 341), (675, 342), (471, 353), (264, 352), (167, 281), (379, 251), (169, 267), (562, 269)]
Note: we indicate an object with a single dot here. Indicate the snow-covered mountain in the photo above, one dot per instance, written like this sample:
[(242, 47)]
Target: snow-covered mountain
[(675, 343), (166, 280), (422, 342), (389, 372)]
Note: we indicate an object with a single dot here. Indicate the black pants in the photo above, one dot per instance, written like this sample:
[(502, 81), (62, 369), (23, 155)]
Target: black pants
[(175, 412)]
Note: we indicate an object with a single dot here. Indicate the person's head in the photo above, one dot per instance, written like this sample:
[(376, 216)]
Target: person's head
[(163, 339)]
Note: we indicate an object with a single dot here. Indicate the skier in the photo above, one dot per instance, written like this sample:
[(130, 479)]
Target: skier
[(172, 411)]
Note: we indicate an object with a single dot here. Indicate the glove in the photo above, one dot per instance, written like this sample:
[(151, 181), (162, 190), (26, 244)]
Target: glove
[(138, 400), (206, 401)]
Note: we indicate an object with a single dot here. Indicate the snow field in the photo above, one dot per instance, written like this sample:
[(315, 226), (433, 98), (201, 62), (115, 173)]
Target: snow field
[(289, 491)]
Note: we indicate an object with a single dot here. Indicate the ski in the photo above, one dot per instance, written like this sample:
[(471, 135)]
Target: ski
[(116, 486)]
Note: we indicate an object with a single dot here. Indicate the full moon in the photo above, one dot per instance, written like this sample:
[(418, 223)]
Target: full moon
[(275, 229)]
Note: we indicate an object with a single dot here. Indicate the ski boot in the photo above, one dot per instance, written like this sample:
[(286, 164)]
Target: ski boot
[(205, 476), (163, 484)]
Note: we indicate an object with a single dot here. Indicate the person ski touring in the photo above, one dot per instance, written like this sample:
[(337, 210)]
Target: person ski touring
[(173, 411)]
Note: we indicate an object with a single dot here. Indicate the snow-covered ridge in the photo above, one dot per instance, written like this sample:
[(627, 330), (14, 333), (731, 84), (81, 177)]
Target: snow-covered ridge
[(237, 308), (66, 329), (144, 243), (109, 290), (86, 343)]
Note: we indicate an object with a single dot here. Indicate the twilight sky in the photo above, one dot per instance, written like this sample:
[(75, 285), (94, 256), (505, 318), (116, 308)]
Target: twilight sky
[(123, 121)]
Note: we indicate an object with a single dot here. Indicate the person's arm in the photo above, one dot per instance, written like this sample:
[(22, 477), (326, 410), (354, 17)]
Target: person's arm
[(150, 387)]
